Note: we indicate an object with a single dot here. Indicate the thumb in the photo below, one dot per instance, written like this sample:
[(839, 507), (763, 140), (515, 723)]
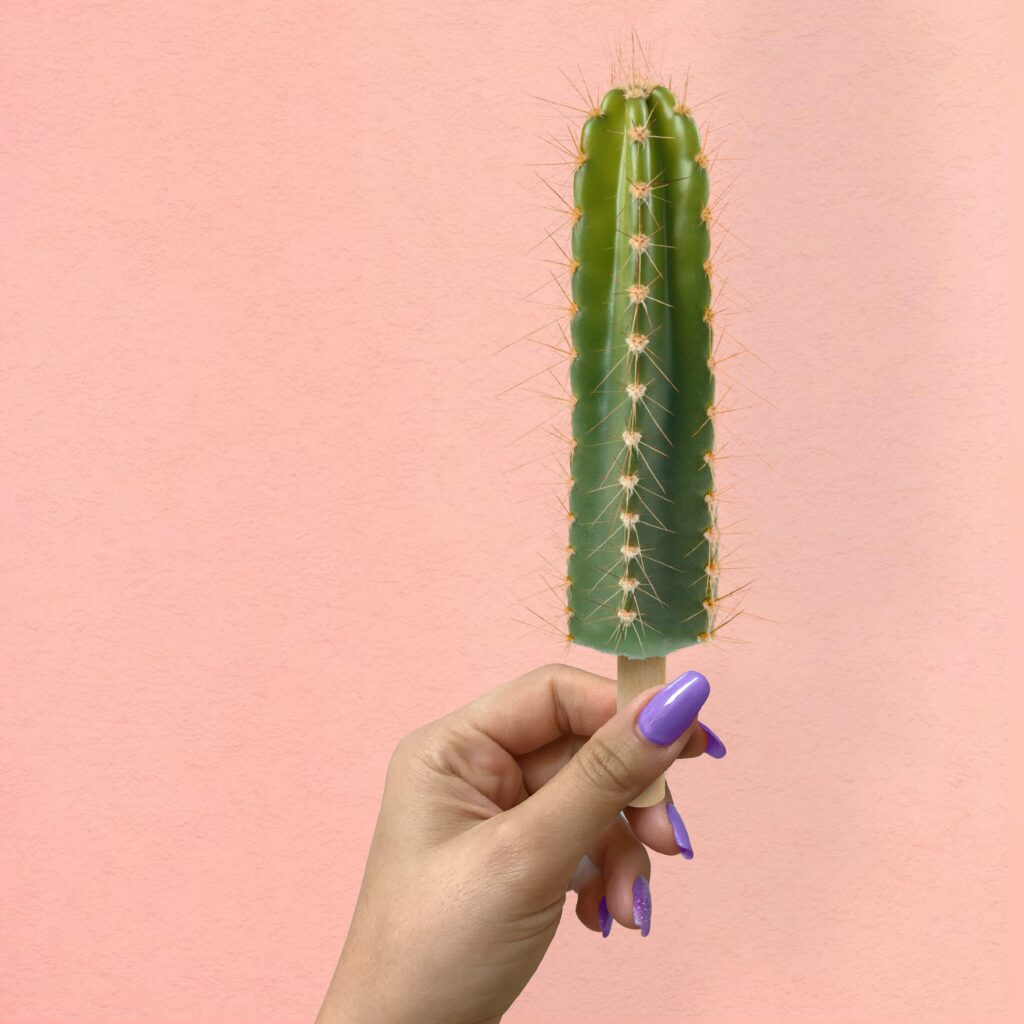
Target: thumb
[(564, 817)]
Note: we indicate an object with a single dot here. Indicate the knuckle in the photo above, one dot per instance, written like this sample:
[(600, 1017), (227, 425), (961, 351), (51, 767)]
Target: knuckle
[(398, 765), (605, 768), (553, 672), (407, 750), (403, 749), (419, 756), (555, 668), (508, 844)]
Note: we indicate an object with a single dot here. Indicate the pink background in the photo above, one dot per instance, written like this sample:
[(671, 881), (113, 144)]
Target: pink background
[(265, 508)]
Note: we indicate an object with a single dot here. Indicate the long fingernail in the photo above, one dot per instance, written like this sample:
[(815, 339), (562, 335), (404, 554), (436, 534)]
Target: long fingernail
[(679, 831), (642, 905), (604, 918), (671, 711), (715, 747)]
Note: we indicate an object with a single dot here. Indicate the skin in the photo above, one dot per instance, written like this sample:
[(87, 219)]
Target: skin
[(486, 815)]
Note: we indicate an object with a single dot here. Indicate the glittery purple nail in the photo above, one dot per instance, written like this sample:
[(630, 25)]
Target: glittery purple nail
[(604, 918), (679, 831), (715, 747), (642, 905)]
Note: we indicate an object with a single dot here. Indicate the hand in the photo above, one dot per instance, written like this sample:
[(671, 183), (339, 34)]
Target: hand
[(489, 816)]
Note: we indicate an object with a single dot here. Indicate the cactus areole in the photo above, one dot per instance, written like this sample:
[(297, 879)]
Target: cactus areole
[(642, 569)]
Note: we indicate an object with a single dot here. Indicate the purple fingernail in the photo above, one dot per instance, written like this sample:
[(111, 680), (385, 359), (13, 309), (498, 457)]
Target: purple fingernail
[(642, 905), (679, 831), (604, 918), (671, 711), (715, 747)]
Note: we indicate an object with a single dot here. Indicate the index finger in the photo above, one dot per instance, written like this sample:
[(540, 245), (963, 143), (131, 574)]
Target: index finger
[(541, 706)]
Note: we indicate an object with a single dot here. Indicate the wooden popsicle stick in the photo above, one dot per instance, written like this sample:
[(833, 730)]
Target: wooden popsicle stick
[(634, 676)]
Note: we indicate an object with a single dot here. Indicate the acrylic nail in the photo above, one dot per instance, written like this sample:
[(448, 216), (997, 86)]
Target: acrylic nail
[(642, 905), (671, 711), (715, 747), (682, 837), (604, 918)]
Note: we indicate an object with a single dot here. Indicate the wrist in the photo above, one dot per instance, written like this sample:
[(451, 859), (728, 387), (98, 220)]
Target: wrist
[(354, 999)]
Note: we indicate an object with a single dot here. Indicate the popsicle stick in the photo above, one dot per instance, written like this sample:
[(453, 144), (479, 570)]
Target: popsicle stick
[(634, 676)]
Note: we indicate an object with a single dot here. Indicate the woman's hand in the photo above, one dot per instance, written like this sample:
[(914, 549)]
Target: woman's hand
[(489, 816)]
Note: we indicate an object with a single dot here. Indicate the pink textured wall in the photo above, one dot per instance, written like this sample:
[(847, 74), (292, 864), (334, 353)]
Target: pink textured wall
[(262, 512)]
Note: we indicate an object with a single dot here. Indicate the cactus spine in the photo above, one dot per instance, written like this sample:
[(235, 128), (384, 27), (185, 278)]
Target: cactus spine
[(642, 570)]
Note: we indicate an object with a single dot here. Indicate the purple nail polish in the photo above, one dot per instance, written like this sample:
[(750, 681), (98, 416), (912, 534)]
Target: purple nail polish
[(671, 711), (642, 905), (604, 918), (715, 747), (679, 831)]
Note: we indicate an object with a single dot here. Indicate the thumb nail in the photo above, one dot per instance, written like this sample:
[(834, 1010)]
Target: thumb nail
[(672, 710)]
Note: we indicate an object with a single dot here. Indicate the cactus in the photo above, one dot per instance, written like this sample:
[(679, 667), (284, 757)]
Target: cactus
[(643, 534)]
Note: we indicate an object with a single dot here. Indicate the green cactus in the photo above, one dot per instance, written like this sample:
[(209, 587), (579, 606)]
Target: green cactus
[(643, 537)]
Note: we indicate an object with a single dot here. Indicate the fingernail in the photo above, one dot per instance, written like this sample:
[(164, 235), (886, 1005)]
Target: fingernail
[(642, 905), (671, 711), (715, 747), (679, 831), (585, 870), (604, 918)]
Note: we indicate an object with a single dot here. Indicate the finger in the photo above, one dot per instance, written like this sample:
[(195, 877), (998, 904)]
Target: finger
[(622, 859), (651, 825), (541, 706), (591, 906), (613, 767), (540, 765), (655, 826), (696, 744), (614, 863), (661, 827), (713, 745)]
